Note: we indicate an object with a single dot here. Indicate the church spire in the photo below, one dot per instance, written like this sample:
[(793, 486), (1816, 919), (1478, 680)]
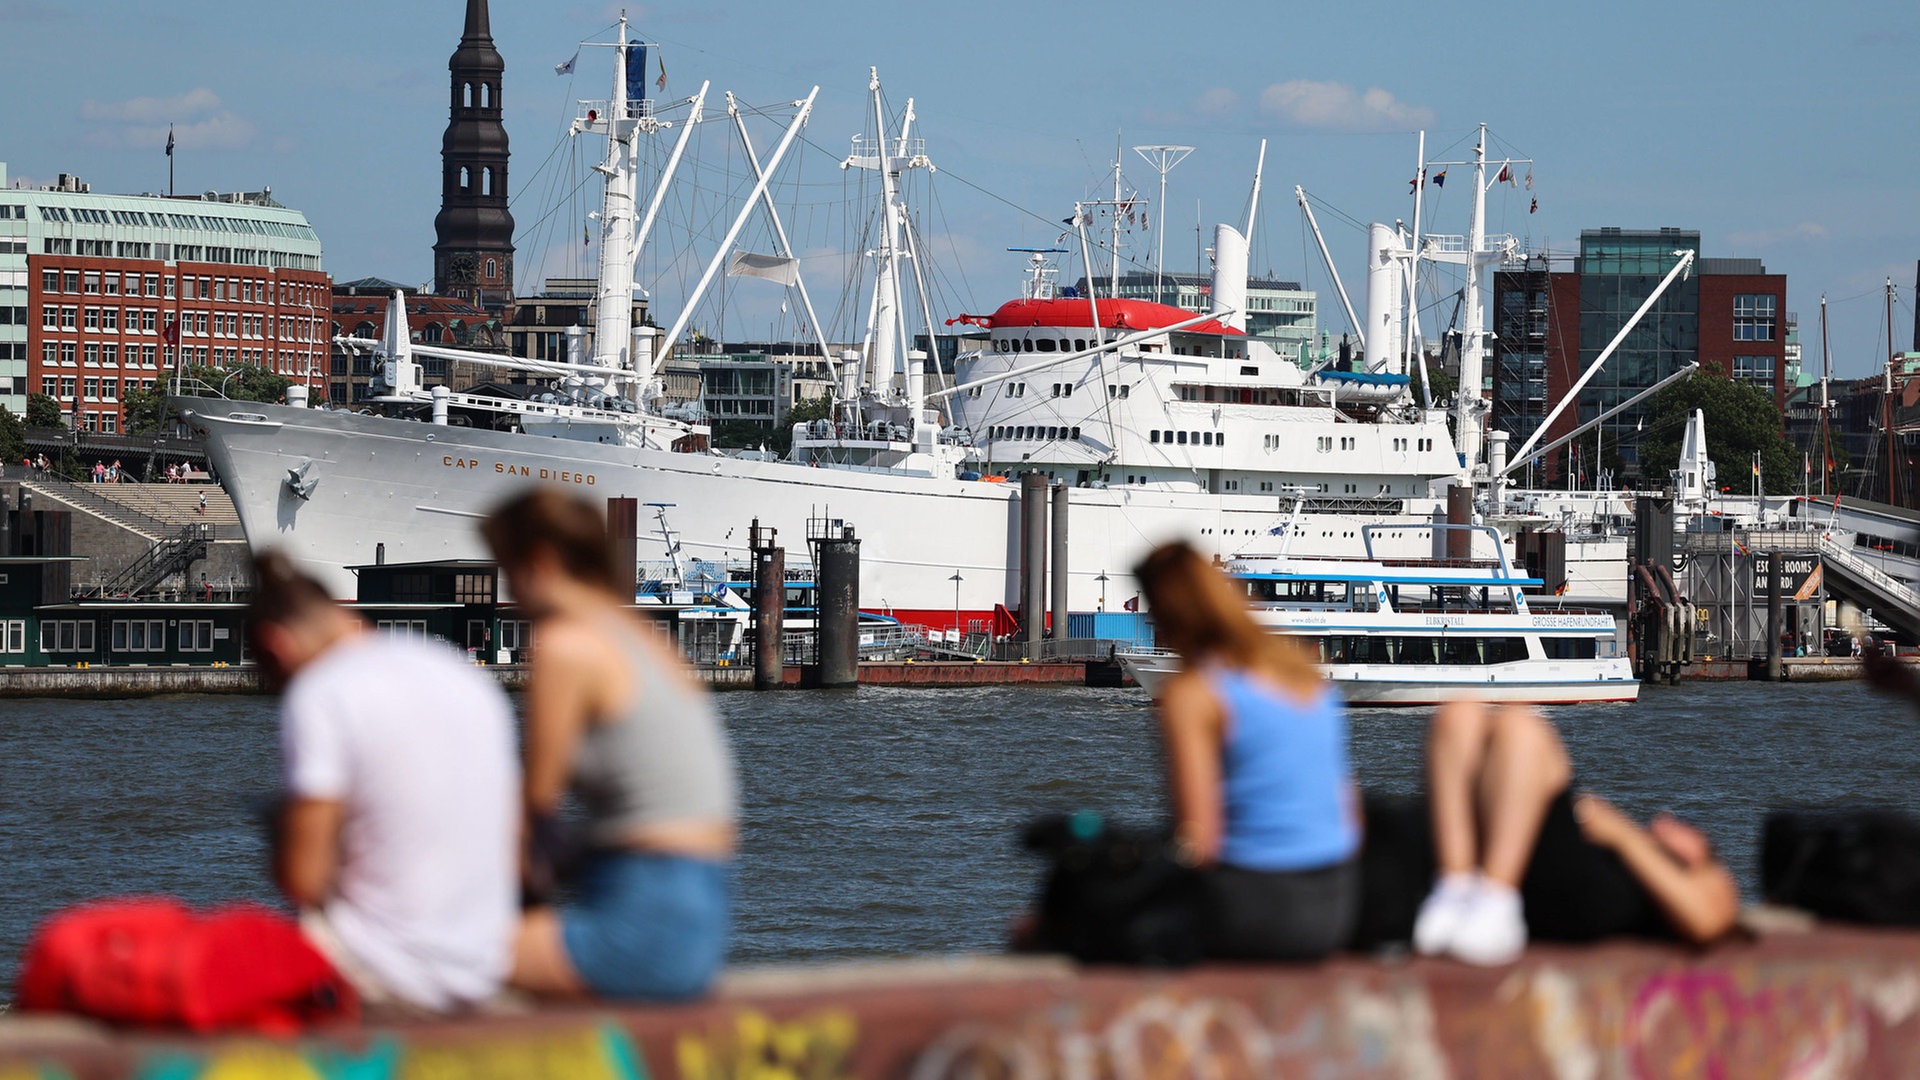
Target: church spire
[(477, 28), (473, 248)]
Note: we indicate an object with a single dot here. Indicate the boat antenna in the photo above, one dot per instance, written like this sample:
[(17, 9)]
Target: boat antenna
[(1163, 159)]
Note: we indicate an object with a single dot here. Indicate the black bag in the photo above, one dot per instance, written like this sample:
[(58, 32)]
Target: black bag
[(1860, 866), (1115, 895)]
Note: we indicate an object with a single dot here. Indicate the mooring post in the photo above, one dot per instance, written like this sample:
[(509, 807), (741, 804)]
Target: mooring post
[(837, 568), (623, 535), (769, 607), (1057, 566), (1775, 667), (1033, 557)]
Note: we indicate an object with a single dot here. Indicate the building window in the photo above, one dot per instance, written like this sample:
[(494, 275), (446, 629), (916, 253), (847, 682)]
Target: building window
[(1757, 370), (473, 589), (493, 270), (66, 636), (139, 635), (13, 636), (196, 635), (1753, 317)]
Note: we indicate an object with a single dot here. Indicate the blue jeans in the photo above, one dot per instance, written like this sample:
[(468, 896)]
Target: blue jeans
[(647, 925)]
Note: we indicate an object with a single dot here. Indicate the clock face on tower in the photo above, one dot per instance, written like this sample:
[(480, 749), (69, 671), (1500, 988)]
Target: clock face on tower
[(460, 270)]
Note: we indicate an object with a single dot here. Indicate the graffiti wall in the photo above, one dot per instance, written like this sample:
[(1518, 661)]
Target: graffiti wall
[(1829, 1004)]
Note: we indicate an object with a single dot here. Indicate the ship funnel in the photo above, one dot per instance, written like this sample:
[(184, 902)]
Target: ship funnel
[(1384, 334), (1230, 275)]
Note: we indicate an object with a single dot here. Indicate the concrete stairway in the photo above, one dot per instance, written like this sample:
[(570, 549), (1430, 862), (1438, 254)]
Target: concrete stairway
[(172, 505)]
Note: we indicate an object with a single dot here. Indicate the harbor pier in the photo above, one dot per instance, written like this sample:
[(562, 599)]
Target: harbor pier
[(1830, 1002)]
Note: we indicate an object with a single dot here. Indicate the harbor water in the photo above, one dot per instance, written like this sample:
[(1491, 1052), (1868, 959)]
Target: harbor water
[(883, 821)]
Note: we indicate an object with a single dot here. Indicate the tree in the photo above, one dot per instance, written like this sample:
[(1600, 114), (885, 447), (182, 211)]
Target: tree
[(749, 435), (43, 411), (13, 438), (141, 411), (1742, 421), (243, 382)]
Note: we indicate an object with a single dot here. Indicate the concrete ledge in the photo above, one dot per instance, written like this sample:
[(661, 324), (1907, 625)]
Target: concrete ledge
[(1842, 1003), (119, 682)]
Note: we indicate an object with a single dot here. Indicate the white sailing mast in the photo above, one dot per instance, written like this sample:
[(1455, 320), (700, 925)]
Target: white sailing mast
[(1474, 253), (894, 368)]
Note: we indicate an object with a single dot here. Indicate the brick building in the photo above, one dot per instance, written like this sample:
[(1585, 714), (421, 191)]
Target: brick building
[(1553, 316), (102, 294), (360, 311)]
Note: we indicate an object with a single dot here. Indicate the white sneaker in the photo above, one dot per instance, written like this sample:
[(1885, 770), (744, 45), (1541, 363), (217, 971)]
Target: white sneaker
[(1492, 929), (1441, 912)]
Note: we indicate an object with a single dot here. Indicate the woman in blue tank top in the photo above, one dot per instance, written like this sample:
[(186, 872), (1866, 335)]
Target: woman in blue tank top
[(1256, 747)]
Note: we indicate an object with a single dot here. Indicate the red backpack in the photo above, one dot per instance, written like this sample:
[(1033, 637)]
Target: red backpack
[(154, 961)]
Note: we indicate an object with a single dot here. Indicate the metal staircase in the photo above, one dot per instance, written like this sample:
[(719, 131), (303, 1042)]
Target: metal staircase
[(167, 557)]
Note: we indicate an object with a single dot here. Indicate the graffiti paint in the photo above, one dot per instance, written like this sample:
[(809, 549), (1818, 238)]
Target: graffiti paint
[(818, 1046)]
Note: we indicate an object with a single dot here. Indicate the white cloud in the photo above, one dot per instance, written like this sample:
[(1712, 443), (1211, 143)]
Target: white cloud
[(1217, 101), (198, 118), (1335, 106)]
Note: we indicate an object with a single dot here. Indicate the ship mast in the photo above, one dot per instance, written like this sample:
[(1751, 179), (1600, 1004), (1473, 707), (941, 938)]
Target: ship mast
[(889, 350), (613, 297)]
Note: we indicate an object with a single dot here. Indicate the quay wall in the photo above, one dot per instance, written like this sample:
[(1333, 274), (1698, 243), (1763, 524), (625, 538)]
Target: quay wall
[(113, 682), (1826, 1003), (1793, 668)]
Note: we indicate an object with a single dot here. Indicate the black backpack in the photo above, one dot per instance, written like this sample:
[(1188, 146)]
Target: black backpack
[(1851, 865), (1115, 894)]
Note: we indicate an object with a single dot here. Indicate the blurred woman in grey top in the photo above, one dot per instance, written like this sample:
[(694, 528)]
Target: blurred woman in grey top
[(612, 715)]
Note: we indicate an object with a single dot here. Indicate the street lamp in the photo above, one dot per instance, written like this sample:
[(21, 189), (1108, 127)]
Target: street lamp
[(958, 638), (1102, 579)]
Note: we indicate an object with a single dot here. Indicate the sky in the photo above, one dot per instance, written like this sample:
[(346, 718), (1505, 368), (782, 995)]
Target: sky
[(1780, 132)]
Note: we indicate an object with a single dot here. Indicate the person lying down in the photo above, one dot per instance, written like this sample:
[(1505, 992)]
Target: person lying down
[(1502, 849)]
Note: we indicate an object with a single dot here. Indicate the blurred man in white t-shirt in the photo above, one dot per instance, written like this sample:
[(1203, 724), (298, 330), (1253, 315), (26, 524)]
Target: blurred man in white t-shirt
[(399, 838)]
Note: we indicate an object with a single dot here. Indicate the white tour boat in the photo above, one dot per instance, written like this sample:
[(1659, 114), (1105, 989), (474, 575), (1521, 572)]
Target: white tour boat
[(1418, 632)]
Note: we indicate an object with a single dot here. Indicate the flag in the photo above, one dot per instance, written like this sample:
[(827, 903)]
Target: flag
[(1506, 175), (586, 237), (1535, 207), (1413, 185), (778, 268), (567, 68), (661, 82), (1440, 178), (1529, 179), (169, 140), (1806, 463), (1132, 604), (1740, 548), (1756, 466), (172, 335)]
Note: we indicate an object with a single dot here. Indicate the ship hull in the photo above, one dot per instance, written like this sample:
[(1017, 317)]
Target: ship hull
[(387, 490), (378, 489)]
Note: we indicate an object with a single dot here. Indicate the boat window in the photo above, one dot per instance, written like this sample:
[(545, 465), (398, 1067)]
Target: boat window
[(1219, 438), (1045, 344), (1181, 438), (1153, 436), (1076, 433), (1206, 438), (1079, 344), (1027, 345), (1564, 648)]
